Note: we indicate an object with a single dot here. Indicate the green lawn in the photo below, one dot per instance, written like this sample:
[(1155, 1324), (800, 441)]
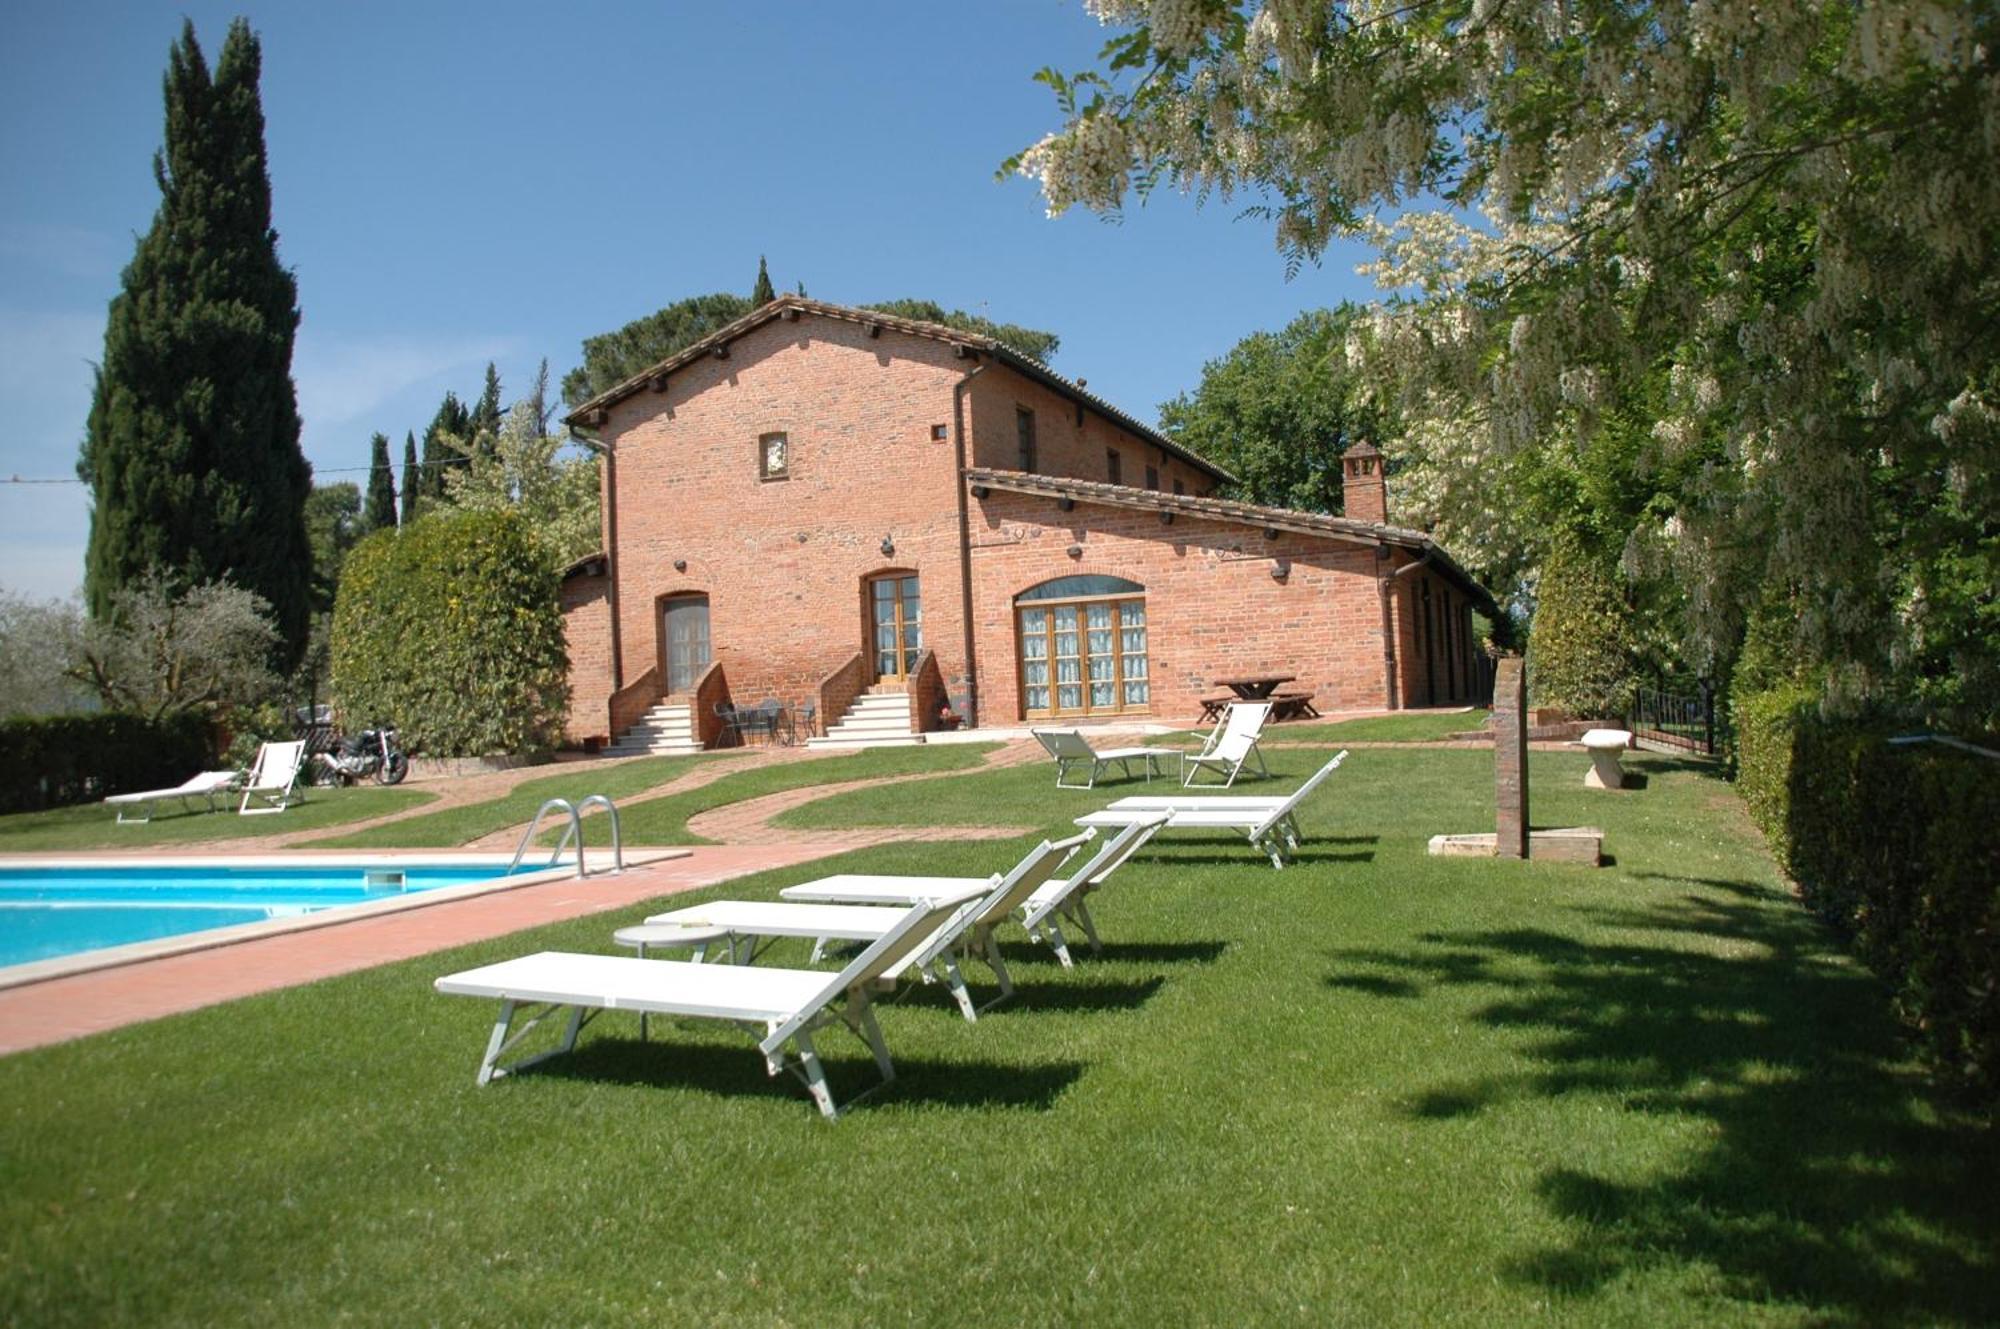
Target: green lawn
[(93, 826), (1376, 1088), (462, 825), (1406, 727), (664, 820)]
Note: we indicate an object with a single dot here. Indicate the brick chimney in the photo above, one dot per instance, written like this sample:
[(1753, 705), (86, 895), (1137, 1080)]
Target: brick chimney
[(1363, 495)]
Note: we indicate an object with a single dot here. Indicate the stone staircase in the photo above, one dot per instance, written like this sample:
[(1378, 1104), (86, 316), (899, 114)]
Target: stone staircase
[(666, 730), (879, 718)]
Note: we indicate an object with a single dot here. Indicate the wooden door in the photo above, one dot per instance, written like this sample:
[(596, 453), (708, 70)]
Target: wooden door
[(896, 612), (687, 641)]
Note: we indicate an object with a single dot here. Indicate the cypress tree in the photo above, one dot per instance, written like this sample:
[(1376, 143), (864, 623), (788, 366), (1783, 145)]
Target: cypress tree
[(484, 427), (381, 509), (413, 479), (763, 293), (191, 451), (452, 418)]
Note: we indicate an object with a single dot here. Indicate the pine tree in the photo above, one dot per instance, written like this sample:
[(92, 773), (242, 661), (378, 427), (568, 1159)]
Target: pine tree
[(483, 430), (413, 479), (191, 451), (763, 293), (451, 419), (538, 398), (381, 509)]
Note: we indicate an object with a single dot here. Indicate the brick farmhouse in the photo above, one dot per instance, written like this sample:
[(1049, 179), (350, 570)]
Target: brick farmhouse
[(821, 504)]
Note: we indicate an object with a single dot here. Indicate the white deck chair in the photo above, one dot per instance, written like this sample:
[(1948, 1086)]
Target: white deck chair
[(967, 932), (205, 786), (1270, 825), (1073, 751), (1060, 897), (274, 780), (782, 1007), (1232, 748)]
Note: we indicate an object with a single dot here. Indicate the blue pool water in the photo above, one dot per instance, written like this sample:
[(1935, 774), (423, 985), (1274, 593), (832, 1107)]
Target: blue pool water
[(50, 911)]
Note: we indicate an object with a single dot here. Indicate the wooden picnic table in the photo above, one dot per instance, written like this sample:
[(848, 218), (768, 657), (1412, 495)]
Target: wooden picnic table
[(1260, 687), (1257, 687)]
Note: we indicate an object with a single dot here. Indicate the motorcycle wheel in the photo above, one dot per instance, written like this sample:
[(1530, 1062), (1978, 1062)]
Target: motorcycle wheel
[(393, 770)]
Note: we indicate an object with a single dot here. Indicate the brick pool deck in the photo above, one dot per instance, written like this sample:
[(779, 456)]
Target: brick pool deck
[(89, 1003)]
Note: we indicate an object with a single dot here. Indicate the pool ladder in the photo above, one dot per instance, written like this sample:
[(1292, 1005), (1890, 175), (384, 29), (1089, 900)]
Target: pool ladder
[(573, 832)]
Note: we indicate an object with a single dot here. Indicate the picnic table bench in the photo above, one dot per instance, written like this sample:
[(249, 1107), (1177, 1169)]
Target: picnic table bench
[(1259, 687)]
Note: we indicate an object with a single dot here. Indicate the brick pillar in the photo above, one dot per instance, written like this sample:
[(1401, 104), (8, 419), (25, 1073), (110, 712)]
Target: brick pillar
[(1510, 758)]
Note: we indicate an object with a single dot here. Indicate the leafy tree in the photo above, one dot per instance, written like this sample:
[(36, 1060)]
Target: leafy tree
[(380, 509), (484, 425), (161, 650), (191, 452), (613, 357), (1579, 649), (528, 473), (1034, 344), (455, 597), (38, 640), (1745, 255), (333, 524), (453, 422), (1278, 411), (763, 293), (610, 359), (413, 478)]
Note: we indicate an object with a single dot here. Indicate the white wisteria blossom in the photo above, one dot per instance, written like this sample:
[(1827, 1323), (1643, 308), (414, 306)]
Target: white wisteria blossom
[(1744, 255)]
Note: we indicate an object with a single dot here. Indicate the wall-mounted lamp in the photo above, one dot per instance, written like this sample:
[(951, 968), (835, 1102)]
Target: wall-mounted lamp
[(1074, 551), (680, 565), (888, 546), (1281, 568)]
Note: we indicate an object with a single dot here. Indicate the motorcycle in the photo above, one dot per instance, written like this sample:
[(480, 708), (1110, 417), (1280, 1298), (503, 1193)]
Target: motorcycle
[(372, 752)]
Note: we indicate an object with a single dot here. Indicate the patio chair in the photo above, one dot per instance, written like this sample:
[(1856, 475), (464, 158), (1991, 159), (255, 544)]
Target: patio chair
[(984, 904), (1270, 823), (274, 779), (780, 1007), (1073, 751), (1060, 897), (205, 786), (1233, 743)]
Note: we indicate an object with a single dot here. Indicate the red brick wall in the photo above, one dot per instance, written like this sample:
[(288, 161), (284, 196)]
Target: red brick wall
[(586, 611), (1448, 662), (783, 561), (1212, 606), (1062, 446)]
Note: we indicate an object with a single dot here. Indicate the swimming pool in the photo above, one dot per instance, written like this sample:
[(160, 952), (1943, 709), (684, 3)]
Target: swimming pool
[(53, 910)]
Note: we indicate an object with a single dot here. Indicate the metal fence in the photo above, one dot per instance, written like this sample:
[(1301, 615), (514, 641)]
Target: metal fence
[(1676, 720)]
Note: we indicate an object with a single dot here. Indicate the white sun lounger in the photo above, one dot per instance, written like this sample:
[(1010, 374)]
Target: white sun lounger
[(990, 904), (274, 780), (1061, 897), (1235, 745), (204, 786), (1073, 751), (1270, 826), (782, 1007)]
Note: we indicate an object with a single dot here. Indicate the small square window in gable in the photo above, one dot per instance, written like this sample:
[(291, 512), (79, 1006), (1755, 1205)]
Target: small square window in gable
[(774, 457), (938, 433)]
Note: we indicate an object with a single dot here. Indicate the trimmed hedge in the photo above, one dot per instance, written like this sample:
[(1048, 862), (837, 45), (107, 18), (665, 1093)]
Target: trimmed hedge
[(1899, 848), (52, 761), (450, 629), (1580, 642)]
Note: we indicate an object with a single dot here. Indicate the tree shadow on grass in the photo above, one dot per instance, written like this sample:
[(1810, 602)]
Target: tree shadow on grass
[(1030, 954), (665, 1062), (1831, 1175)]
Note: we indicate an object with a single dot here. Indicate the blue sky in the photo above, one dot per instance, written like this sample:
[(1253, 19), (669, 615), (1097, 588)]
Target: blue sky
[(454, 184)]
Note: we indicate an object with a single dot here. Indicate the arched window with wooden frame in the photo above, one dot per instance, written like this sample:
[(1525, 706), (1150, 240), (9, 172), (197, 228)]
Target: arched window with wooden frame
[(1083, 648)]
